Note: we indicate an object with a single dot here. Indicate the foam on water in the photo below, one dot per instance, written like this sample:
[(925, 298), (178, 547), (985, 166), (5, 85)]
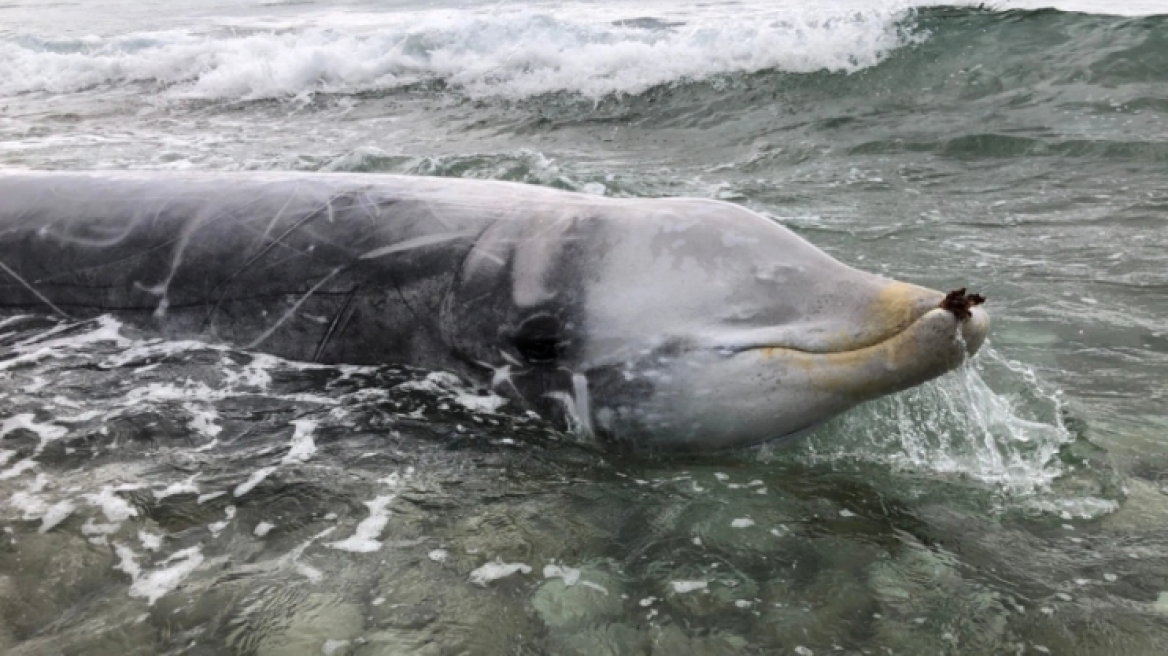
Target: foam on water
[(184, 487), (47, 345), (443, 383), (302, 446), (255, 479), (569, 575), (685, 587), (111, 505), (154, 584), (16, 469), (102, 498), (496, 570), (56, 514), (512, 54), (364, 538), (46, 432)]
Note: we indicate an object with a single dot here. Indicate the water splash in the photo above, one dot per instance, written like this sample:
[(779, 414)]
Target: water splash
[(993, 420)]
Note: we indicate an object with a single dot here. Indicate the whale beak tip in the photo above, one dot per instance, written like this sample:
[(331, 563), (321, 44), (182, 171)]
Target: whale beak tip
[(961, 304), (974, 329)]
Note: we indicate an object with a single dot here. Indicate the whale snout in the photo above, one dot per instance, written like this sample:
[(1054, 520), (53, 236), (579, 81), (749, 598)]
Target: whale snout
[(938, 340), (974, 328), (959, 303), (973, 322), (906, 335)]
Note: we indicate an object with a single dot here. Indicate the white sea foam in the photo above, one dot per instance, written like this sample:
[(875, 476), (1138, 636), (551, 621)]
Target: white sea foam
[(26, 421), (203, 419), (217, 527), (115, 508), (570, 575), (303, 446), (496, 570), (156, 583), (364, 538), (510, 53), (151, 541), (255, 479), (21, 466), (56, 514), (683, 587), (45, 345), (447, 384), (204, 498), (184, 487)]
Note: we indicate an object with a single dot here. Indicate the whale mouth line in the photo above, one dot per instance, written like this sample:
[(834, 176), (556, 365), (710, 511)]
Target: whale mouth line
[(770, 350), (956, 303)]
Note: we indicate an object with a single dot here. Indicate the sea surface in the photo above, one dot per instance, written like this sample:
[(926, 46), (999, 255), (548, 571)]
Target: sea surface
[(186, 498)]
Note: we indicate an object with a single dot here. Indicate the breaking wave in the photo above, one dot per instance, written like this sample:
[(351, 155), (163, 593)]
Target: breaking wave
[(499, 54)]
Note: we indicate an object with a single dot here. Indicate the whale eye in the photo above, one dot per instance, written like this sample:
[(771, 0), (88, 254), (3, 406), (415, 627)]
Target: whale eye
[(538, 339)]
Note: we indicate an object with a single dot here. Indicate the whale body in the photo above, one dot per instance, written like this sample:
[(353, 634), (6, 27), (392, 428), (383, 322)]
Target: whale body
[(663, 323)]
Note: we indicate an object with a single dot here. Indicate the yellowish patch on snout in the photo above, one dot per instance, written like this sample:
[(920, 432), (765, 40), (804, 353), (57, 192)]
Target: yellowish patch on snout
[(923, 349), (904, 338), (888, 313), (852, 371), (899, 304)]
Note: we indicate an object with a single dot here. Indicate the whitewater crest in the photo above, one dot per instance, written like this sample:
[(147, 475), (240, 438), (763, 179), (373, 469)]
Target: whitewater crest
[(497, 53)]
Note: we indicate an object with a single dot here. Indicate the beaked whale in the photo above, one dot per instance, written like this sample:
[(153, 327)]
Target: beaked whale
[(667, 323)]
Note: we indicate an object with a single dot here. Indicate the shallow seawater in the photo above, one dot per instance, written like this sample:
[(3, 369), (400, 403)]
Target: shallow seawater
[(181, 497)]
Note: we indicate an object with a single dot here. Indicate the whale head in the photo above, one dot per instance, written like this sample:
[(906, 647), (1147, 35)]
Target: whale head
[(691, 324)]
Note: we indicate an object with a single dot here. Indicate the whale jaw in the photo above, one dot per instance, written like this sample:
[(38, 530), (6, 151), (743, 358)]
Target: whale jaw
[(768, 392)]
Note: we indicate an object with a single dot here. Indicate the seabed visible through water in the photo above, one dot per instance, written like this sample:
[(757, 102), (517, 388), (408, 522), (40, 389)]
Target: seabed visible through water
[(182, 498)]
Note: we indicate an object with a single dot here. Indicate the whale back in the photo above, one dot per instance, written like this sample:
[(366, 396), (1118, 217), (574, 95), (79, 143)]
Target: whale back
[(329, 268)]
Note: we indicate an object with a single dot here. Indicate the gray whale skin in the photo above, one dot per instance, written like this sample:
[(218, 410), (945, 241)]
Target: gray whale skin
[(664, 324)]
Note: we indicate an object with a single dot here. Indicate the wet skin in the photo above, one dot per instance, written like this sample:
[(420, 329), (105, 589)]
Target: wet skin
[(677, 324)]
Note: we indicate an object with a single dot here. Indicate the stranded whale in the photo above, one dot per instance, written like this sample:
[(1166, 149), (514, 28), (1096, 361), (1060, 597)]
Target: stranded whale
[(659, 323)]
